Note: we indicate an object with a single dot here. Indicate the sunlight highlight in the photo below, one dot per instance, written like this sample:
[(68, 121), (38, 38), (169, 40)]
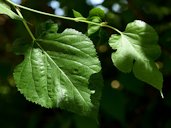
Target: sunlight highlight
[(17, 1), (115, 84), (116, 7), (95, 2), (161, 93), (56, 6)]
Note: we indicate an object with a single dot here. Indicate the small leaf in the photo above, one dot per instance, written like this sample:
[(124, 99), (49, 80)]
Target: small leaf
[(5, 9), (95, 15), (56, 72), (77, 14), (136, 49), (93, 28), (48, 26), (97, 12)]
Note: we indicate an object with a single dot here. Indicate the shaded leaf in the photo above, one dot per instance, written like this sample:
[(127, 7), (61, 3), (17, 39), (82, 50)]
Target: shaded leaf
[(136, 49), (5, 9), (57, 69), (96, 83), (47, 27), (20, 46)]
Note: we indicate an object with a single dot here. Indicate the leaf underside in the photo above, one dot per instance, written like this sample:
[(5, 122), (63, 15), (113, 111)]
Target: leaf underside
[(56, 71), (136, 50)]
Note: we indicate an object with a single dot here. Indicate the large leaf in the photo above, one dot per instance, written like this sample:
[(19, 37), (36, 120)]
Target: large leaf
[(136, 49), (56, 71), (5, 9)]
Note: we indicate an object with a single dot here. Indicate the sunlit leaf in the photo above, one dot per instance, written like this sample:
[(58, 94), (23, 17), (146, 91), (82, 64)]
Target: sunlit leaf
[(95, 15), (93, 28), (77, 14), (136, 49), (97, 12), (5, 9), (57, 69)]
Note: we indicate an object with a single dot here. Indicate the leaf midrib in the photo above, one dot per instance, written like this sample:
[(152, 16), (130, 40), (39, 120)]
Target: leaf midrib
[(76, 62), (139, 57), (64, 75)]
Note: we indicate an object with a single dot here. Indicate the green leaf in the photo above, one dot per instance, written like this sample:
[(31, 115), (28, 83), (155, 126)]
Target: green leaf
[(95, 15), (47, 27), (97, 12), (77, 14), (137, 49), (93, 28), (57, 69), (5, 9), (20, 46)]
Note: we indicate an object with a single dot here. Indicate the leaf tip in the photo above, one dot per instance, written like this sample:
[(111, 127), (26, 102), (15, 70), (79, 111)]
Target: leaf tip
[(161, 93), (93, 91)]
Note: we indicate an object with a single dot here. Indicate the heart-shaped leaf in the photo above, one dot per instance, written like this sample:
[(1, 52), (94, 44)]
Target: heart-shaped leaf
[(56, 71)]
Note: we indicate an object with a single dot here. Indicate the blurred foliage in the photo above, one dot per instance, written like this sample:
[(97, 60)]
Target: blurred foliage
[(125, 103)]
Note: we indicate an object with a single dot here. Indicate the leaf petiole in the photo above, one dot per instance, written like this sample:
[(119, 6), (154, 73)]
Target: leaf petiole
[(63, 17), (25, 24)]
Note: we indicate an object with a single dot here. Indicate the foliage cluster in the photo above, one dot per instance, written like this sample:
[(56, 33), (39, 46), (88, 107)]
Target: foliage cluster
[(64, 67)]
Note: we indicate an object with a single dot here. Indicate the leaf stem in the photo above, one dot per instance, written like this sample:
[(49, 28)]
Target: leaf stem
[(63, 17), (39, 12), (108, 26), (25, 24)]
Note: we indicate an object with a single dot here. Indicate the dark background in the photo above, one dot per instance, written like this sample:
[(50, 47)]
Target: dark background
[(126, 102)]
